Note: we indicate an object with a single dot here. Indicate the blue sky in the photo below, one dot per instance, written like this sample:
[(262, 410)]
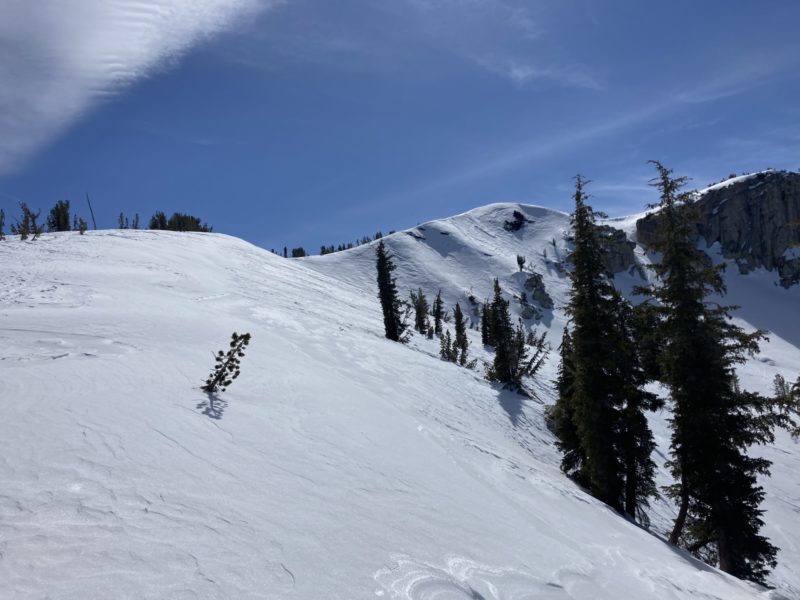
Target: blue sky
[(303, 122)]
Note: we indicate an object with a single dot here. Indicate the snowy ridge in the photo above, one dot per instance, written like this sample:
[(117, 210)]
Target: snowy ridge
[(733, 180), (340, 465)]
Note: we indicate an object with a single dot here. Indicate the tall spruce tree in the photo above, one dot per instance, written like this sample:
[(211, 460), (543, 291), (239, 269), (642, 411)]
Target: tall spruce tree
[(713, 422), (387, 292), (502, 336), (599, 417), (438, 313), (563, 415), (486, 330), (461, 343), (594, 404), (636, 442), (420, 305)]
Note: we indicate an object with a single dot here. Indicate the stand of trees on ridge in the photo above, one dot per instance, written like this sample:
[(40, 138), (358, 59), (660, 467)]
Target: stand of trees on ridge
[(611, 349)]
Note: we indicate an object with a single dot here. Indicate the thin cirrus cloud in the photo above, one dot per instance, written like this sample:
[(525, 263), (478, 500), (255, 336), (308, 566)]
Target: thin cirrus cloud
[(522, 73), (58, 58)]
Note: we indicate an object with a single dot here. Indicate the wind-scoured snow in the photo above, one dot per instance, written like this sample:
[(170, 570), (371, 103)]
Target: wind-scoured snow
[(339, 465), (732, 180)]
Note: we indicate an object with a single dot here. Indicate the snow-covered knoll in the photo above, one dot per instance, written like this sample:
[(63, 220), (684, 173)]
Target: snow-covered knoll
[(339, 465)]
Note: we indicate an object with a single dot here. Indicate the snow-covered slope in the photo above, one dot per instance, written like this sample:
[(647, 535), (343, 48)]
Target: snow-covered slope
[(339, 465)]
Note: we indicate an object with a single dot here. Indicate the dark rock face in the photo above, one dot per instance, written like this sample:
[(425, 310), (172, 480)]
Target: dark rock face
[(517, 222), (618, 250), (756, 221), (535, 285)]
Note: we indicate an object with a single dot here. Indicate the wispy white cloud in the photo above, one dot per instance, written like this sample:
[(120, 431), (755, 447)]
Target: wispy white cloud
[(750, 72), (541, 148), (502, 37), (523, 73), (58, 58)]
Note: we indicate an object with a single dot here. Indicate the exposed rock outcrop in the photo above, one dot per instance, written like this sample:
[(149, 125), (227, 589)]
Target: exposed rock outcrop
[(535, 286), (618, 255), (755, 220), (517, 222)]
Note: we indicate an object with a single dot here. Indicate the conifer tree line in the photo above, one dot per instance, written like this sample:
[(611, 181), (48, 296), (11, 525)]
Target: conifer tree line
[(680, 337), (177, 222), (517, 355), (60, 218), (349, 245)]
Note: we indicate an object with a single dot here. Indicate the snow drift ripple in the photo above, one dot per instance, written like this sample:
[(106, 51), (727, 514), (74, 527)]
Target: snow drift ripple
[(462, 579)]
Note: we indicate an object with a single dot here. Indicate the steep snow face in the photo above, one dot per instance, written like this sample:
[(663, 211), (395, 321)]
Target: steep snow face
[(339, 465), (463, 255)]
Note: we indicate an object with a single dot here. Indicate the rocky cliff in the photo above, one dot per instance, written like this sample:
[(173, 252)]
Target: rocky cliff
[(755, 219)]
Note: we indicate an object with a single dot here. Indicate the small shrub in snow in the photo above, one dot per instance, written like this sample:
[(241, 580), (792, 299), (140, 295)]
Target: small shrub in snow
[(27, 225), (226, 368)]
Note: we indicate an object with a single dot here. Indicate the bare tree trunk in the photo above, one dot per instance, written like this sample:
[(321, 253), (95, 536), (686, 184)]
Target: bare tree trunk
[(680, 521), (630, 485), (724, 552), (91, 212)]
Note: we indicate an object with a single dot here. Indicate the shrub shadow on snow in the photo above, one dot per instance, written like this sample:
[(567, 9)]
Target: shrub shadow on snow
[(213, 406)]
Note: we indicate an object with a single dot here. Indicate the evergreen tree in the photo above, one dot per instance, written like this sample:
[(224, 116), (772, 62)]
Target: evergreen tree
[(713, 421), (177, 222), (594, 404), (158, 221), (135, 224), (447, 349), (122, 221), (387, 292), (298, 252), (420, 305), (27, 223), (529, 367), (183, 222), (794, 407), (636, 441), (520, 261), (226, 367), (438, 313), (502, 337), (563, 415), (486, 331), (2, 224), (461, 343), (599, 417), (58, 219), (35, 228)]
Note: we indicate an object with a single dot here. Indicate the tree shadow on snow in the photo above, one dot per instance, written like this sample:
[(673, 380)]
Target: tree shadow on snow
[(213, 406), (512, 402)]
